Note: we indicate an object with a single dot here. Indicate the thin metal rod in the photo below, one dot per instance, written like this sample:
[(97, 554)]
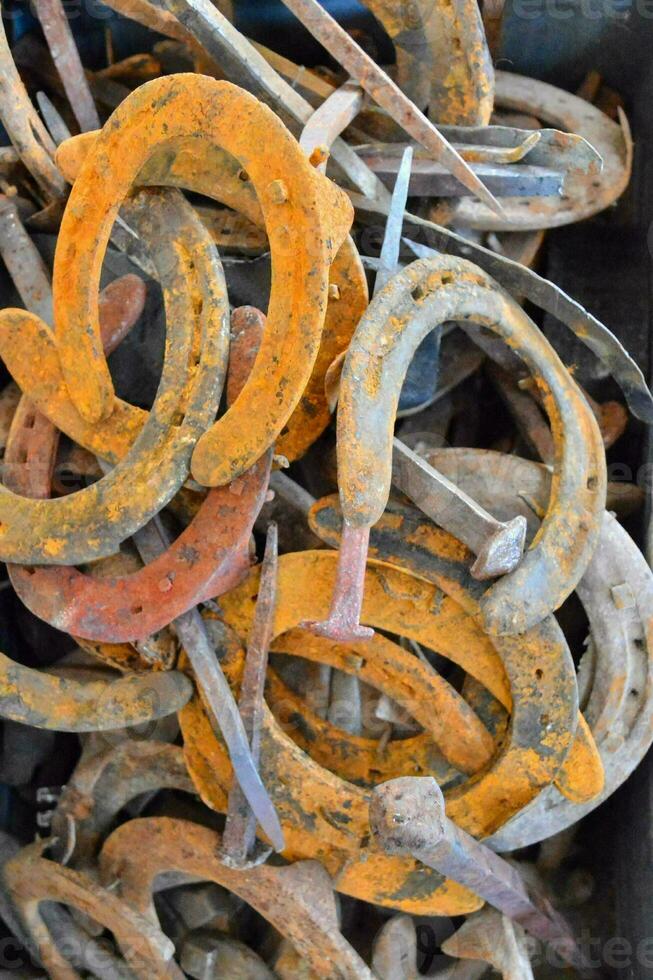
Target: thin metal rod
[(65, 55), (358, 64), (239, 833)]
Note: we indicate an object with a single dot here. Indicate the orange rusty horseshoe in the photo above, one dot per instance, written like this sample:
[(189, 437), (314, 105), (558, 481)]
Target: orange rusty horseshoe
[(209, 556), (529, 672), (299, 205), (92, 522), (454, 740), (406, 538), (209, 170)]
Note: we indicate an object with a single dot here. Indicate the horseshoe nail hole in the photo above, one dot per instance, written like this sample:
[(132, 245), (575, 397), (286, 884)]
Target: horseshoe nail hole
[(592, 482), (417, 292), (21, 456), (634, 693), (29, 422), (545, 719), (136, 610), (539, 673), (446, 279), (243, 175), (638, 642), (29, 570)]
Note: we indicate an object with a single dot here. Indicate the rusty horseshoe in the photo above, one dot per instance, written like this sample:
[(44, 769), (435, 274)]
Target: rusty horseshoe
[(417, 300), (299, 205)]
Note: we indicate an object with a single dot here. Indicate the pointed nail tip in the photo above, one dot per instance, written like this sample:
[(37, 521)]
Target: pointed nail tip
[(491, 202), (476, 187)]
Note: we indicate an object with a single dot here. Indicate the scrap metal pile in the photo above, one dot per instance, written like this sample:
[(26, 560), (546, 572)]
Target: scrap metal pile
[(314, 669)]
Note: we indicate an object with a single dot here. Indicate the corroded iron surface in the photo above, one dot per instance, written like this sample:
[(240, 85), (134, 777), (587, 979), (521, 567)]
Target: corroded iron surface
[(369, 682)]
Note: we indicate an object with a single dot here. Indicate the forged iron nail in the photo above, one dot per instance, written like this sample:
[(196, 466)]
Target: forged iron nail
[(65, 55), (151, 541), (498, 545), (53, 120), (389, 257), (239, 836), (343, 621), (386, 93), (407, 816)]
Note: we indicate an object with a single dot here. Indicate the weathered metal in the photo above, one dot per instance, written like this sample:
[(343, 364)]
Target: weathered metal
[(524, 404), (209, 556), (247, 66), (408, 606), (430, 179), (26, 130), (64, 704), (213, 173), (204, 905), (395, 953), (92, 523), (343, 621), (329, 120), (421, 297), (617, 703), (210, 954), (83, 952), (101, 785), (462, 682), (391, 244), (495, 939), (443, 61), (584, 195), (31, 879), (407, 816), (554, 148), (300, 199), (59, 37), (361, 67), (455, 738), (239, 834), (55, 123), (189, 627), (523, 282), (152, 542), (297, 900), (23, 261), (498, 545), (152, 17), (29, 696), (403, 538), (157, 652)]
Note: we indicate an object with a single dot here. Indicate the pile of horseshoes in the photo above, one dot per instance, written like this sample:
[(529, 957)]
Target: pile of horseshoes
[(314, 666)]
